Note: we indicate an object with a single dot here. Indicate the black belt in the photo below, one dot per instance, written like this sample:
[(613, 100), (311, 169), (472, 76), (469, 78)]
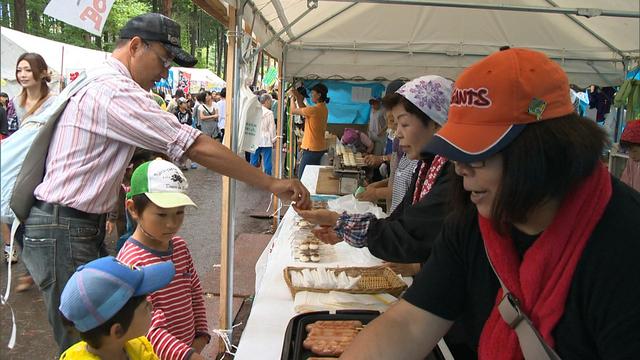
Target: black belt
[(65, 211)]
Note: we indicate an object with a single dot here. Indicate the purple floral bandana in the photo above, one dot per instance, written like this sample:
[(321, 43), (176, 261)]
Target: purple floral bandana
[(431, 94)]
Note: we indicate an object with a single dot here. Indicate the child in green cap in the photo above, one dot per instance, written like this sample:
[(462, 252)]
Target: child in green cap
[(156, 202)]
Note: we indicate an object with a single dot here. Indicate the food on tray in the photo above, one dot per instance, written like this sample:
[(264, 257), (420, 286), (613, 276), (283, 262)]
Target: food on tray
[(331, 337), (304, 224), (329, 324), (307, 248), (307, 255), (319, 205)]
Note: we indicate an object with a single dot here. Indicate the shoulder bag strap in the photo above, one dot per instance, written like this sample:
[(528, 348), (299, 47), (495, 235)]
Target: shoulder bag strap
[(531, 342), (33, 166)]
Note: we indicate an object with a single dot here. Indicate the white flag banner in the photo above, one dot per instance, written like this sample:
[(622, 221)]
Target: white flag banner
[(89, 15)]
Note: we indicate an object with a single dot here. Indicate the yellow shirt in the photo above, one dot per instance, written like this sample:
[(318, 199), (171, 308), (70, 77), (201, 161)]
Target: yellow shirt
[(137, 349), (315, 126)]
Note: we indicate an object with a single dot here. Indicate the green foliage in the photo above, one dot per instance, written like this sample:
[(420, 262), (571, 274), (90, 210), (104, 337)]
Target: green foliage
[(198, 28), (121, 12)]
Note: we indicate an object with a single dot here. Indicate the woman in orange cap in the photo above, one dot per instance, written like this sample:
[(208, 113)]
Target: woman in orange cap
[(536, 209)]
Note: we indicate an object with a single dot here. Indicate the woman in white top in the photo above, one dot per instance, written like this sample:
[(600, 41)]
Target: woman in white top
[(32, 73), (267, 135), (208, 114)]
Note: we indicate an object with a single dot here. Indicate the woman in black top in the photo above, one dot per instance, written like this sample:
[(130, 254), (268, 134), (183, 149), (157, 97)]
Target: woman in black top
[(533, 197)]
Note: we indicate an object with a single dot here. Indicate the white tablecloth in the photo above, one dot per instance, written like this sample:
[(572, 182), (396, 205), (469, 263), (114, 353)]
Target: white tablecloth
[(272, 309)]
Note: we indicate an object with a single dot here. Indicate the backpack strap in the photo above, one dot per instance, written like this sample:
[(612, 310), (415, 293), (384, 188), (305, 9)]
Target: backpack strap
[(531, 342), (33, 166)]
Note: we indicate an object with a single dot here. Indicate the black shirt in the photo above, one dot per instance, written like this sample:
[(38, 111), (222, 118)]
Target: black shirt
[(4, 124), (407, 235), (602, 312)]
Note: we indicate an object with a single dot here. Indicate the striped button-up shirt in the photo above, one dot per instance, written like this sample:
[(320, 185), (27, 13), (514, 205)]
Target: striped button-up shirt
[(96, 136)]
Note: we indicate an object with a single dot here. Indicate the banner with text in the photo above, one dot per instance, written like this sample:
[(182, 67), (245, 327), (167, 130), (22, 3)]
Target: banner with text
[(89, 15)]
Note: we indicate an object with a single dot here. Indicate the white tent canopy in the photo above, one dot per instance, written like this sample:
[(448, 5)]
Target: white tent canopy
[(202, 76), (383, 39), (72, 58)]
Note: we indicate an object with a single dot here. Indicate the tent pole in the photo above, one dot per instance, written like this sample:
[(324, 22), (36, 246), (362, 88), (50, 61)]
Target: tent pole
[(284, 29), (586, 12), (620, 111), (432, 52), (228, 184), (323, 22), (593, 33), (281, 106)]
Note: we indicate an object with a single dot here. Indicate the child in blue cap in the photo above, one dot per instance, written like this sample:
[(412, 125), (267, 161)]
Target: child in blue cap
[(105, 301)]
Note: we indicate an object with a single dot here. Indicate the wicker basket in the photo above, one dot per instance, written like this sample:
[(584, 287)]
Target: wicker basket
[(373, 280)]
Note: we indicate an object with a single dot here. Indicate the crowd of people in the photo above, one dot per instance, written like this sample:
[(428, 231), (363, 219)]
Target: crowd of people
[(86, 160), (496, 189)]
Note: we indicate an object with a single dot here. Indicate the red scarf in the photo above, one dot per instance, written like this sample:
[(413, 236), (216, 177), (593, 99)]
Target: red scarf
[(541, 281), (427, 177)]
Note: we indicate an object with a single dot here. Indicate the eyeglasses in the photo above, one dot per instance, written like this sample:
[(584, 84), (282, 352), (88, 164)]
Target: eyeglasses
[(166, 63), (473, 165)]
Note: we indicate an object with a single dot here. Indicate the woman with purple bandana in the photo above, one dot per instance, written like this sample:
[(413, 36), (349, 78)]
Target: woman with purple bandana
[(420, 108)]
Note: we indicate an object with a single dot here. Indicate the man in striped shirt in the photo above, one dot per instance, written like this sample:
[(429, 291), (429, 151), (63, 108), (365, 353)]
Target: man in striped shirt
[(95, 138), (156, 202)]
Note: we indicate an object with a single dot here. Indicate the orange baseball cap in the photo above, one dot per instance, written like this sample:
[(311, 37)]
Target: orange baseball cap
[(494, 99)]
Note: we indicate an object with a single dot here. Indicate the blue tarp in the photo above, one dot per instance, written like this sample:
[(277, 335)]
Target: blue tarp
[(635, 74), (347, 106)]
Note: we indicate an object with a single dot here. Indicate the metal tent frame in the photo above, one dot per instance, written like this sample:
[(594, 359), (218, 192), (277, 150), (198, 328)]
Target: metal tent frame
[(237, 9)]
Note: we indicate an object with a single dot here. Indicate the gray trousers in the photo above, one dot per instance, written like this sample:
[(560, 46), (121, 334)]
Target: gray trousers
[(54, 246)]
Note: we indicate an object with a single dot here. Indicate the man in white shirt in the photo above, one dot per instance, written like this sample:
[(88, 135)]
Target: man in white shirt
[(377, 126), (222, 111), (267, 135)]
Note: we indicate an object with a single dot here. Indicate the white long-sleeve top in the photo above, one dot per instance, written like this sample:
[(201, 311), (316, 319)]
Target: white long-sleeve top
[(267, 128)]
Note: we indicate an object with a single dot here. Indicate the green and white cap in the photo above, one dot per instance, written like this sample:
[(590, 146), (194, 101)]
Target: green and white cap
[(162, 182)]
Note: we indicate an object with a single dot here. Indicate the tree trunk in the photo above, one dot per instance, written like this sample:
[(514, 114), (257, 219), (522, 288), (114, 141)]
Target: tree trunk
[(222, 51), (166, 7), (193, 31), (35, 24), (20, 15), (224, 56), (216, 44), (207, 57)]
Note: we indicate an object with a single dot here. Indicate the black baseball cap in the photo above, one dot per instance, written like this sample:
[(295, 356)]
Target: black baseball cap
[(157, 27)]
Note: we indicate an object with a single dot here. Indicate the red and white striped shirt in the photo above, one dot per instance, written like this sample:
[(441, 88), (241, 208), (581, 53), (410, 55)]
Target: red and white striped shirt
[(96, 136), (179, 313)]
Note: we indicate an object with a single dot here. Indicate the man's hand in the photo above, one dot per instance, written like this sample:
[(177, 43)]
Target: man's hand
[(403, 269), (320, 216), (199, 343), (373, 160), (293, 190), (110, 225), (327, 235), (369, 194)]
